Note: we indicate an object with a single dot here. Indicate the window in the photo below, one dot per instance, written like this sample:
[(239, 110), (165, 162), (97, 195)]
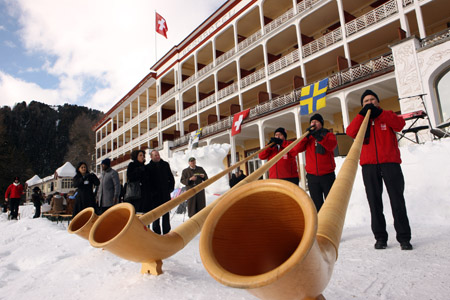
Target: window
[(66, 184), (254, 163), (443, 93)]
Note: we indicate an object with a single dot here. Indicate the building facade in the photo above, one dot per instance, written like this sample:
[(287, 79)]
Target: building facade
[(257, 55)]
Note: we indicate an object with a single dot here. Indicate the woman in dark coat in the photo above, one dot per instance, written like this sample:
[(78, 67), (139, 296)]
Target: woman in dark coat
[(37, 199), (136, 173), (84, 182)]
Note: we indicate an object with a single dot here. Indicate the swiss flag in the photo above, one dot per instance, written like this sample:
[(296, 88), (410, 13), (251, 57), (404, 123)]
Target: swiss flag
[(161, 25), (237, 121)]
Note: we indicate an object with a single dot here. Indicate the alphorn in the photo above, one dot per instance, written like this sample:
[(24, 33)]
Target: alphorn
[(120, 232), (81, 224), (267, 237)]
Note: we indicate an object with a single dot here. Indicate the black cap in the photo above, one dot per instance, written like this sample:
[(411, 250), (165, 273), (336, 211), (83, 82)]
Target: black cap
[(282, 131), (317, 117), (106, 162), (368, 92)]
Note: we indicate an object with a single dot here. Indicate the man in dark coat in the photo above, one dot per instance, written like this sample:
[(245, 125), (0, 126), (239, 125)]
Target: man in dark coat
[(190, 177), (162, 184), (380, 161), (37, 199)]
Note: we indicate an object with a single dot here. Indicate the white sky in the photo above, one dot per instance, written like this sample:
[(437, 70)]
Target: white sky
[(86, 52)]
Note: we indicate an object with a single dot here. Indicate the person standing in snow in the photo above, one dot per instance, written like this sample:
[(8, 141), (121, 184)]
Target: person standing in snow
[(319, 145), (162, 183), (14, 192), (109, 189), (37, 199), (286, 167), (84, 182), (136, 173), (380, 161), (190, 177)]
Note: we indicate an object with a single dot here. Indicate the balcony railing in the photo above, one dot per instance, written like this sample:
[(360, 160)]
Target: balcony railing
[(250, 40), (190, 110), (168, 120), (189, 80), (372, 17), (284, 62), (227, 91), (225, 56), (207, 101), (305, 4), (372, 66), (167, 94), (274, 104), (218, 126), (279, 21), (407, 2), (252, 78), (437, 38), (322, 42)]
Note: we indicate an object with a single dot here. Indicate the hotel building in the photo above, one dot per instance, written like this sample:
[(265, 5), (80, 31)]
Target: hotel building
[(255, 54)]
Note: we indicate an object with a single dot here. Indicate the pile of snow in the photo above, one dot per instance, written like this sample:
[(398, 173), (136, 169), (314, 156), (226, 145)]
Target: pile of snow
[(41, 260)]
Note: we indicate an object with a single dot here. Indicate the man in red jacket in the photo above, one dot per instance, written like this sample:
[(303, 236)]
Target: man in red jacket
[(319, 145), (286, 167), (380, 161), (14, 192)]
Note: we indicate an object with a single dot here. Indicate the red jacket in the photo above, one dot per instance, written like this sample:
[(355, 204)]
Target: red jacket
[(382, 146), (316, 163), (14, 191), (286, 167)]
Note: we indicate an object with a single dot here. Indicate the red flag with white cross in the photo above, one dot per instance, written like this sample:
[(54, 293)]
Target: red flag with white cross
[(161, 25), (237, 121)]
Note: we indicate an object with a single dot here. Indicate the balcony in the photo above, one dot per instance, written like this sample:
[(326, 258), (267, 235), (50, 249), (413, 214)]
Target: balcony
[(437, 38), (168, 120), (323, 42), (374, 16), (190, 110), (306, 4), (381, 63), (167, 94), (284, 62), (284, 18), (252, 78)]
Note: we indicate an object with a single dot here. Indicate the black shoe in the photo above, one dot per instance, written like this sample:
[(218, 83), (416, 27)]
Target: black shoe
[(380, 245), (406, 246)]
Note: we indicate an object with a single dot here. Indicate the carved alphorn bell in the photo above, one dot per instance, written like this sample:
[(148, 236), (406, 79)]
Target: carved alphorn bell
[(267, 237), (122, 233), (82, 223)]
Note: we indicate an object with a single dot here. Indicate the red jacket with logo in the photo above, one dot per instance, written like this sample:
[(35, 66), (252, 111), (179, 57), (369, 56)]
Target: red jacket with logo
[(383, 145), (286, 167), (316, 163), (14, 191)]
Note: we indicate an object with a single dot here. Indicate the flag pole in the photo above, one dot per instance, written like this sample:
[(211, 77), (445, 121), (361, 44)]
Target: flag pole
[(156, 46)]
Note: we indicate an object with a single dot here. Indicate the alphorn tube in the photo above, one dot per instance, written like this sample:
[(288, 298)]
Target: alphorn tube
[(82, 223), (119, 231), (267, 237)]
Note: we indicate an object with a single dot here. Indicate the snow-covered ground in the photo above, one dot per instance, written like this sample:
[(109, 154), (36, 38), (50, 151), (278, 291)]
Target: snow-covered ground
[(41, 260)]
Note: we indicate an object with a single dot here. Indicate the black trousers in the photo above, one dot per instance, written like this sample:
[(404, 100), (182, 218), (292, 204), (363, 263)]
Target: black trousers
[(392, 175), (294, 180), (37, 212), (157, 200), (14, 207), (319, 187)]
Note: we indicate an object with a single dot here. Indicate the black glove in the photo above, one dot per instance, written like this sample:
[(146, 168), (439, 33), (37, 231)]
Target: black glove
[(366, 107), (310, 130), (320, 134), (375, 112), (276, 141)]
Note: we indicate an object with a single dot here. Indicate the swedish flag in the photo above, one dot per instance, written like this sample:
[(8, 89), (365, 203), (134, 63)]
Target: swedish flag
[(313, 97)]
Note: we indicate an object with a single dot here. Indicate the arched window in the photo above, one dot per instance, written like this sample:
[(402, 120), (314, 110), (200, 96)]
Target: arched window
[(443, 93)]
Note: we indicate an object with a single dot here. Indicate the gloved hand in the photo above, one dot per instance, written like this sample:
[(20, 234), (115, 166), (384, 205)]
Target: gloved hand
[(319, 134), (375, 112), (276, 141), (366, 107), (310, 130)]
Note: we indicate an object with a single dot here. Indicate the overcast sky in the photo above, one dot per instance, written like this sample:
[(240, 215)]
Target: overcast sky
[(86, 52)]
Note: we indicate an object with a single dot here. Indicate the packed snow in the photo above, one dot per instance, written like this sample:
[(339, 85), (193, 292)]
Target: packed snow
[(39, 259)]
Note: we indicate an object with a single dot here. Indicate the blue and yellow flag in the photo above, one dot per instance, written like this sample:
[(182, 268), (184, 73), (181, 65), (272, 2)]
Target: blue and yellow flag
[(313, 97)]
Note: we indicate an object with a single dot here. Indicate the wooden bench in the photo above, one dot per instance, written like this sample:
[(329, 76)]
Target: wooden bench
[(58, 217)]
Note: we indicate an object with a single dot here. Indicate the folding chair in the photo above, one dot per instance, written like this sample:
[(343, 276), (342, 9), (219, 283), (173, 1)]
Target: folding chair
[(416, 116)]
